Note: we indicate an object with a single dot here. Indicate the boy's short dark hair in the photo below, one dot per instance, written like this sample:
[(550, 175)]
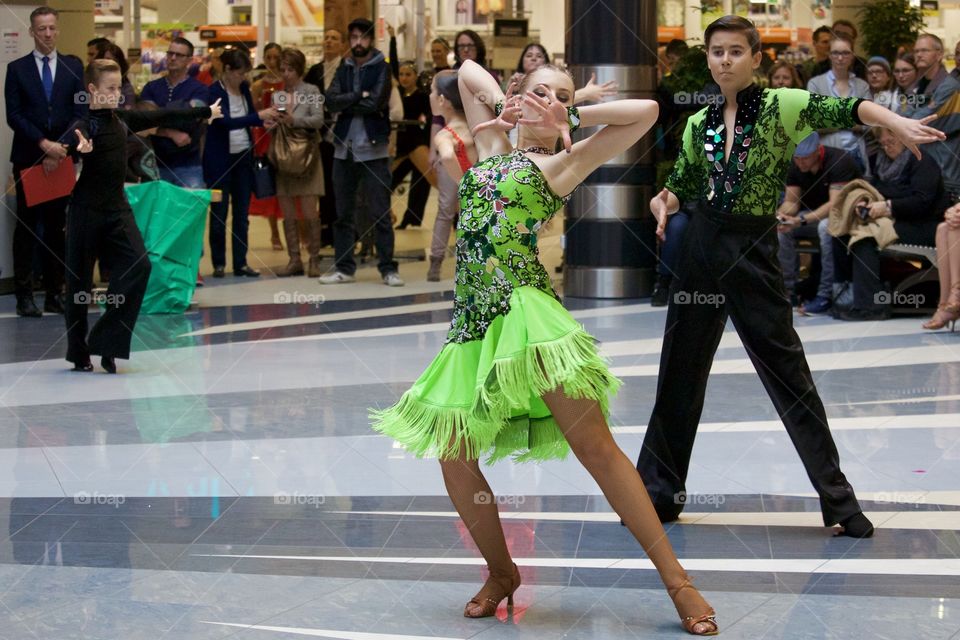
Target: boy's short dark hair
[(184, 42), (364, 26), (737, 24), (96, 42)]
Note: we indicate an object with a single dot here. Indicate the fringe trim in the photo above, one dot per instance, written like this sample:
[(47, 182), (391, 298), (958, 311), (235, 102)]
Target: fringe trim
[(571, 362)]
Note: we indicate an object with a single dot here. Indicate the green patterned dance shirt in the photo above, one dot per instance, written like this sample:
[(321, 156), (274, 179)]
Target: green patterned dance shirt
[(769, 124)]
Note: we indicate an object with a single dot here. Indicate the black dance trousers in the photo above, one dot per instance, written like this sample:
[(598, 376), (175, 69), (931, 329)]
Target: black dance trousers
[(114, 239), (730, 268), (26, 237)]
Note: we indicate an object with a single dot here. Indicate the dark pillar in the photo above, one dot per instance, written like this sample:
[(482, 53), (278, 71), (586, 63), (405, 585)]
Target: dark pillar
[(610, 249)]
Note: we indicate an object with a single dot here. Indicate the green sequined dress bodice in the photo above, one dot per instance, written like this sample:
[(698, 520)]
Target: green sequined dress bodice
[(504, 200)]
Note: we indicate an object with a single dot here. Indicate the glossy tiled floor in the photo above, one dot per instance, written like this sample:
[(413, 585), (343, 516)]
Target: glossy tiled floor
[(227, 483)]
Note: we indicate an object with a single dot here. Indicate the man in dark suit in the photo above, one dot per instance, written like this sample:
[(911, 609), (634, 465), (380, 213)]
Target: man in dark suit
[(44, 95)]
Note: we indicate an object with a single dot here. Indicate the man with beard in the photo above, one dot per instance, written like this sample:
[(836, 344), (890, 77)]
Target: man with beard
[(360, 95)]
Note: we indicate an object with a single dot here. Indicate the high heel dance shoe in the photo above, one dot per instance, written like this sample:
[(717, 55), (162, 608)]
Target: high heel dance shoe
[(708, 620), (945, 314), (495, 589)]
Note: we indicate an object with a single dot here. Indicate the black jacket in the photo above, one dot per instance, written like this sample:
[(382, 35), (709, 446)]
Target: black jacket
[(29, 114), (374, 109), (918, 195)]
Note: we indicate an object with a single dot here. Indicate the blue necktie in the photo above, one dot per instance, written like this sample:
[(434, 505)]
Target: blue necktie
[(47, 77)]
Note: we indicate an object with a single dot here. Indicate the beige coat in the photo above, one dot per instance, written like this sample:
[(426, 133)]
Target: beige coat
[(845, 221)]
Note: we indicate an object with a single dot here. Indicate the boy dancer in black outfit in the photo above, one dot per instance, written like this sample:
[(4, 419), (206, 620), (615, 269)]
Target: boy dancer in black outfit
[(100, 223)]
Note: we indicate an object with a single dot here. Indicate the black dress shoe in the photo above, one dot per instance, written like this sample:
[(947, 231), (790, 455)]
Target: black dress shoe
[(863, 315), (661, 291), (27, 308), (108, 364), (82, 366), (53, 304), (857, 526), (245, 270), (219, 272)]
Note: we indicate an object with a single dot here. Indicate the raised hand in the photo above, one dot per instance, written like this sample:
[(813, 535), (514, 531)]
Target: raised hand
[(913, 133), (84, 145), (593, 92), (507, 119), (215, 111), (553, 114)]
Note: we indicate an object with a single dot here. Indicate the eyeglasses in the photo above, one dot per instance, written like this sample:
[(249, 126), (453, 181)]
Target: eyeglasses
[(841, 54), (925, 51), (174, 54), (876, 72)]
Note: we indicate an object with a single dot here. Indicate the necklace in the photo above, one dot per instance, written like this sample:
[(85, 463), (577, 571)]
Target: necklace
[(542, 150)]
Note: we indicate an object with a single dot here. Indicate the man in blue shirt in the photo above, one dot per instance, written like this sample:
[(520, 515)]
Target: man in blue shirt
[(360, 94), (178, 151)]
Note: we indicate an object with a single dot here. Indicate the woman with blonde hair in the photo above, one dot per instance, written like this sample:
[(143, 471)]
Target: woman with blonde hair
[(299, 108)]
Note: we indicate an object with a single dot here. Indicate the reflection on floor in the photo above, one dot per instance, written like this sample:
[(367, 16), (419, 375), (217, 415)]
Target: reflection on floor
[(227, 484)]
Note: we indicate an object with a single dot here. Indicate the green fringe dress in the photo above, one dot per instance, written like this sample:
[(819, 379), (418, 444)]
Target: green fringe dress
[(510, 341)]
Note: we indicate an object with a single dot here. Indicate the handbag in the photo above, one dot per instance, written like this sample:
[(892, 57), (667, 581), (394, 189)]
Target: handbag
[(293, 151), (264, 181)]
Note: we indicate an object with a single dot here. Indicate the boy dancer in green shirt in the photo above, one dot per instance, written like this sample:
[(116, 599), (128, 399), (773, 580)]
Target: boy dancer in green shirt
[(731, 168)]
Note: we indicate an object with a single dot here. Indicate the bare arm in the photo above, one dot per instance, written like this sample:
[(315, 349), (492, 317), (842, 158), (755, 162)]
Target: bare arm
[(480, 93), (626, 121), (791, 202), (448, 156), (911, 132), (823, 211)]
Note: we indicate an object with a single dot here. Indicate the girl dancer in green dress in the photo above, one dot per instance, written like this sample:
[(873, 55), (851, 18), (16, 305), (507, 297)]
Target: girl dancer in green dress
[(518, 376)]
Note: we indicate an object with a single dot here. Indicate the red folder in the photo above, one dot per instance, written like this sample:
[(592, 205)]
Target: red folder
[(39, 186)]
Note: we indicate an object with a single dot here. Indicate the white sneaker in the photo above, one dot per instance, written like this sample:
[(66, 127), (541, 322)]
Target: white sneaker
[(337, 277), (393, 279)]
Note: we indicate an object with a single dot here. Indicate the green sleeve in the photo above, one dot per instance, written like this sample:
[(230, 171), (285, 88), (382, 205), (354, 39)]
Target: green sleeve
[(802, 112), (688, 180)]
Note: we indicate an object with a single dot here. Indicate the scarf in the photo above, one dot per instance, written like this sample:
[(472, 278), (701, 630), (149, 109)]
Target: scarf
[(892, 170)]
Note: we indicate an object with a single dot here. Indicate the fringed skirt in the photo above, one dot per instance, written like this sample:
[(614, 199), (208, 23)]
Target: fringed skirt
[(486, 395)]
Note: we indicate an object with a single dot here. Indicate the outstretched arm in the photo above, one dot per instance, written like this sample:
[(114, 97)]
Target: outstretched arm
[(480, 94), (911, 133)]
